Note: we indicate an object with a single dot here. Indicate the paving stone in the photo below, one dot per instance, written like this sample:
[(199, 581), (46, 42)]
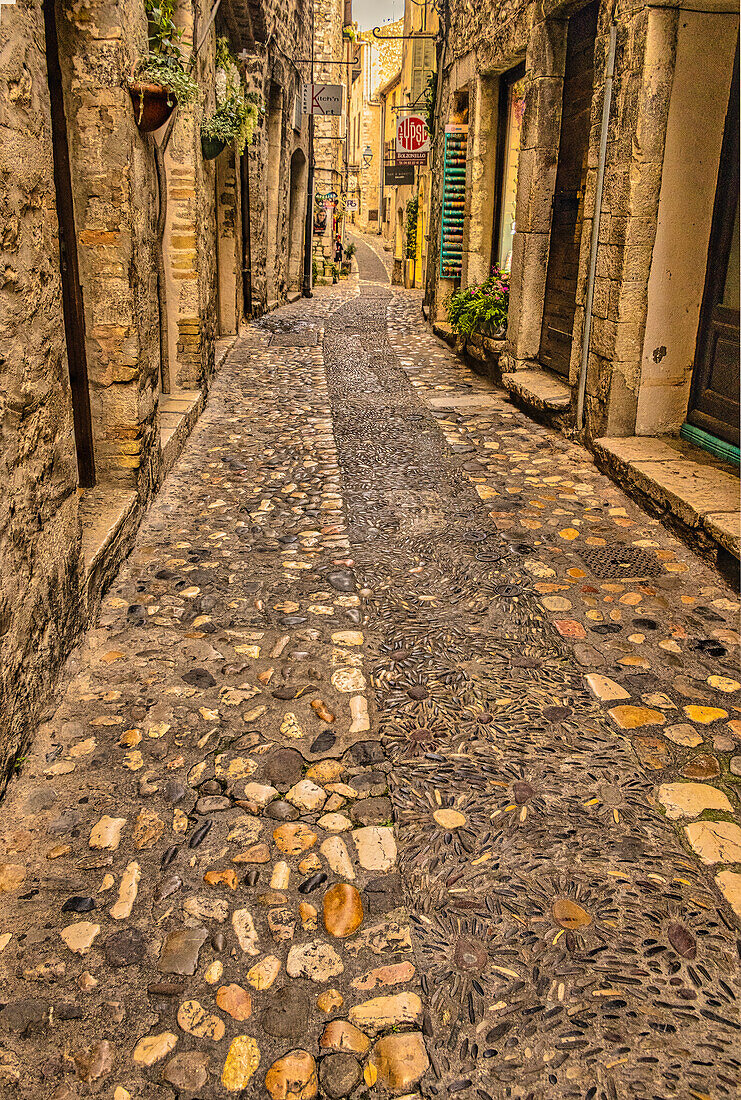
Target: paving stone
[(187, 1072), (372, 811), (241, 1063), (287, 1013), (540, 736), (292, 1077), (341, 1035), (400, 1060), (691, 799), (343, 910), (316, 960), (180, 950), (382, 1013), (715, 841), (339, 1074)]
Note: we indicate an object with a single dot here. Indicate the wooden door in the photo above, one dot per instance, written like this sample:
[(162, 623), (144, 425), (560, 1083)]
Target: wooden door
[(568, 199), (72, 305), (714, 397)]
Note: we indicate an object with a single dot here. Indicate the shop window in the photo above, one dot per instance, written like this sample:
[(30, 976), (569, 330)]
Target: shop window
[(511, 109)]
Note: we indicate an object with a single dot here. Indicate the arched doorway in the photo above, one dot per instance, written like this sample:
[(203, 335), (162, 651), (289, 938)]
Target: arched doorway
[(296, 219)]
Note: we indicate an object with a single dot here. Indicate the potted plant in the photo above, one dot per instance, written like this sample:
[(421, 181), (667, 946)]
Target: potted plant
[(160, 78), (482, 308), (237, 111)]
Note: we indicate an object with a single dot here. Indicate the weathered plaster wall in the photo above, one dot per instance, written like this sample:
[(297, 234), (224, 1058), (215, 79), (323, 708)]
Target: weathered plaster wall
[(697, 111), (39, 530)]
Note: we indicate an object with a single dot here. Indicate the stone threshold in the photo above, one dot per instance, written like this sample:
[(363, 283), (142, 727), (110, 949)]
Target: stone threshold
[(222, 346), (541, 393), (109, 517), (178, 412), (699, 493)]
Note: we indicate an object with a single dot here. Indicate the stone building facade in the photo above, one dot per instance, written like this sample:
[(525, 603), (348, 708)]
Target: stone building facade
[(527, 84), (123, 260), (333, 61), (419, 30), (378, 61)]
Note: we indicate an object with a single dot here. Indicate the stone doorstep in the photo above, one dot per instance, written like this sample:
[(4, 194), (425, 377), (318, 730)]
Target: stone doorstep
[(178, 412), (480, 400), (701, 492), (109, 517), (222, 346), (538, 389)]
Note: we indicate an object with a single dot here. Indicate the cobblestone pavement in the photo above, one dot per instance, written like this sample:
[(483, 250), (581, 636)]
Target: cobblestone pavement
[(404, 759)]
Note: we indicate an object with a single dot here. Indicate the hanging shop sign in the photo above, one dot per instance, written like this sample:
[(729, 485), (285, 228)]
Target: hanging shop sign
[(351, 204), (321, 99), (398, 175), (412, 140)]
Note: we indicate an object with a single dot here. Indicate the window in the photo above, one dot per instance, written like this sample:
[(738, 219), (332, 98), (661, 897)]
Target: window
[(511, 109), (423, 62)]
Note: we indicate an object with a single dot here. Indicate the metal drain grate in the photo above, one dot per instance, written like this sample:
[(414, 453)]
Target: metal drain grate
[(619, 562)]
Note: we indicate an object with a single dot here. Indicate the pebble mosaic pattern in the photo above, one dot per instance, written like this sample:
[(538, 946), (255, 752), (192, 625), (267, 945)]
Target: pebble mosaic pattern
[(365, 784)]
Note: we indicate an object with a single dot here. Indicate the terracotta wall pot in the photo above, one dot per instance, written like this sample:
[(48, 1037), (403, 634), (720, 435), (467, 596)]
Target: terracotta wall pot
[(211, 147), (151, 106)]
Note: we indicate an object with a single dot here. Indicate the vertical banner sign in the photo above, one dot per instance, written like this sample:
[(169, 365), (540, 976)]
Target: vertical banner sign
[(412, 140), (454, 202), (321, 99)]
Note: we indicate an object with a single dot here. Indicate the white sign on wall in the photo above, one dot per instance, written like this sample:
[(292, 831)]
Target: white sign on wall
[(321, 99)]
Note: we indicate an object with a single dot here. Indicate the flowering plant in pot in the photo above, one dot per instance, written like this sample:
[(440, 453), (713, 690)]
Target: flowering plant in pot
[(481, 308), (237, 111), (160, 78)]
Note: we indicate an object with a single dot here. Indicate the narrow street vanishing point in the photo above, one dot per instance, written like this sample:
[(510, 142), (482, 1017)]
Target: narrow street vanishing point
[(404, 760)]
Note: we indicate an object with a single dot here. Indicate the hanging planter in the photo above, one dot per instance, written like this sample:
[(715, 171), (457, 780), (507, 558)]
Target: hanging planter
[(161, 79), (237, 112), (153, 105), (211, 147)]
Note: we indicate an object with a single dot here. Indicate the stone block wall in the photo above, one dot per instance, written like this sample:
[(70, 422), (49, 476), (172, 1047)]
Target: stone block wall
[(114, 192), (39, 527), (190, 232), (329, 132), (484, 40)]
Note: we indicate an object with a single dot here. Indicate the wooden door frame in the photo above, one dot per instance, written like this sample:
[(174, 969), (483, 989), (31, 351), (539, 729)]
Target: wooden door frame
[(595, 6), (721, 240), (72, 302), (506, 80)]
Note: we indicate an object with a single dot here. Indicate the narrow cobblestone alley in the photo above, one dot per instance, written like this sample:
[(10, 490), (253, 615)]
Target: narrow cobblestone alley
[(404, 759)]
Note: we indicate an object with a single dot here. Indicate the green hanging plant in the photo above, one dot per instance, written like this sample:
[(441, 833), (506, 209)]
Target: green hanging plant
[(411, 227), (165, 62), (430, 99), (237, 112)]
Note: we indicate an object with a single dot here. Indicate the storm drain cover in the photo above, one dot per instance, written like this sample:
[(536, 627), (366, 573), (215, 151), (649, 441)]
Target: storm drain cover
[(619, 562)]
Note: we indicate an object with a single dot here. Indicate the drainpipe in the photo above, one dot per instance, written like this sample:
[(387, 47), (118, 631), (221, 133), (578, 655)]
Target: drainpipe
[(587, 333)]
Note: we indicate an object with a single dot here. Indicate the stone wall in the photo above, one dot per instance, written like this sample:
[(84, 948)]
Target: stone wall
[(483, 41), (329, 133), (114, 191), (273, 215), (46, 593), (39, 529)]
